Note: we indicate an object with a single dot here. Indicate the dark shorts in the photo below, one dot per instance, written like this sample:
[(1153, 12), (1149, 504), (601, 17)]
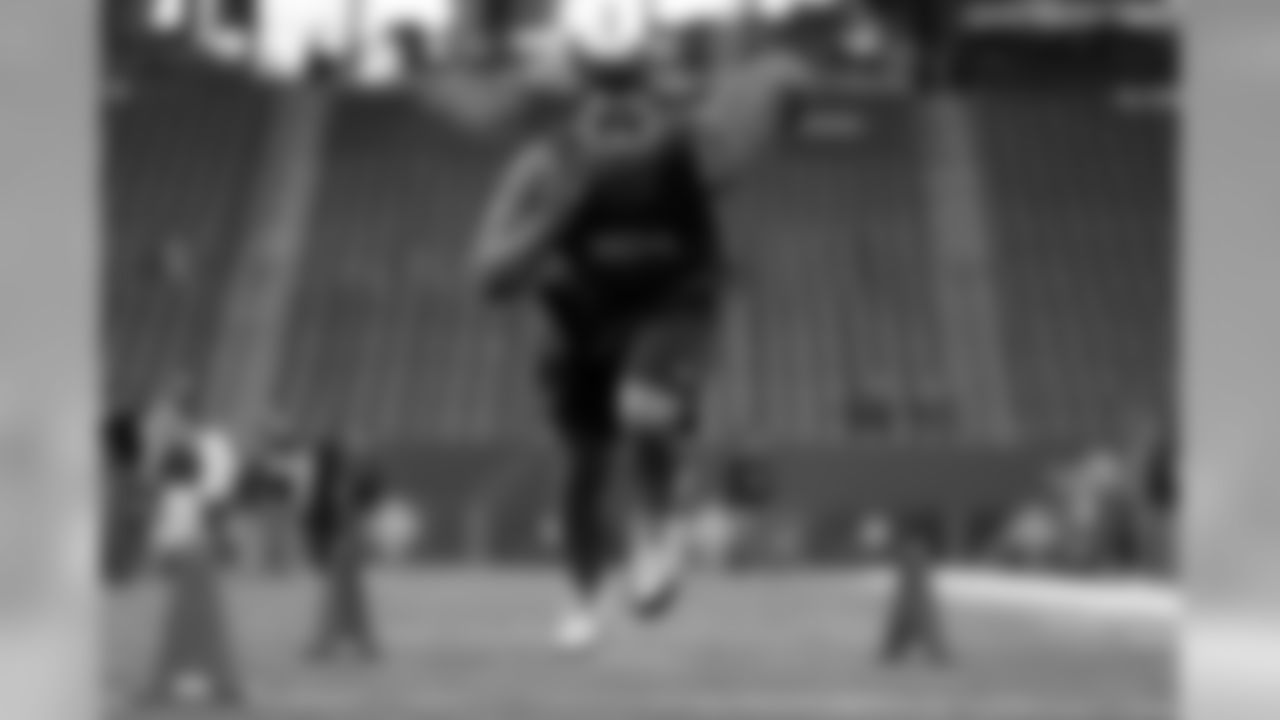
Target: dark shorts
[(665, 345)]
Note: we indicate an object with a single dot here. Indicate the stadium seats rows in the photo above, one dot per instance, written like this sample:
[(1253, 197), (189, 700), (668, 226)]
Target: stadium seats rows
[(1084, 214), (182, 149), (833, 304)]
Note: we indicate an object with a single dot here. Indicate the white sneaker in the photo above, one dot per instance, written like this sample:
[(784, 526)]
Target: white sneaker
[(583, 625), (657, 569), (579, 630)]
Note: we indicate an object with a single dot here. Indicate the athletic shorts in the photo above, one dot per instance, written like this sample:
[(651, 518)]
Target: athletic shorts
[(666, 347)]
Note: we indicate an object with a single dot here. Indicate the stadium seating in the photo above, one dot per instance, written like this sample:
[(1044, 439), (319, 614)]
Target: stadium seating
[(833, 331), (837, 302), (832, 363), (832, 305), (388, 342), (1083, 204), (182, 141)]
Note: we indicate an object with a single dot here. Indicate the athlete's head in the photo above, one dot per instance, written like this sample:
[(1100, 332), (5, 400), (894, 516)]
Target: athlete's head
[(621, 109)]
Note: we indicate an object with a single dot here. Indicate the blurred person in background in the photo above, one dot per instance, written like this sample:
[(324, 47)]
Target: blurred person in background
[(1149, 500), (342, 493), (1163, 494), (270, 500), (1033, 536), (194, 478), (124, 505), (1091, 495), (140, 445)]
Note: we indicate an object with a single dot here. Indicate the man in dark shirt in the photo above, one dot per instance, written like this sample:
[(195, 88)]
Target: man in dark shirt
[(609, 222)]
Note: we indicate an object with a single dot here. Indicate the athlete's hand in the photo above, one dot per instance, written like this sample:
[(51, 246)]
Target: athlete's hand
[(506, 288), (520, 283), (513, 250), (502, 284)]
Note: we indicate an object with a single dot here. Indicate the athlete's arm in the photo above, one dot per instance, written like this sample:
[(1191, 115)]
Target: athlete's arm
[(742, 115), (517, 222)]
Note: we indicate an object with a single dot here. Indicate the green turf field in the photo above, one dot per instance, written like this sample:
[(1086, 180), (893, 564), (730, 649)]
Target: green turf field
[(475, 646)]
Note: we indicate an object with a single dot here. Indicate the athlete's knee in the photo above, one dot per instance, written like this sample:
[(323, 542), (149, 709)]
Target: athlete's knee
[(648, 407)]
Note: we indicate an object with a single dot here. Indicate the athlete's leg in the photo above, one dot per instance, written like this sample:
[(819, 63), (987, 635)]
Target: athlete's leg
[(658, 400), (590, 543), (658, 454), (580, 396)]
